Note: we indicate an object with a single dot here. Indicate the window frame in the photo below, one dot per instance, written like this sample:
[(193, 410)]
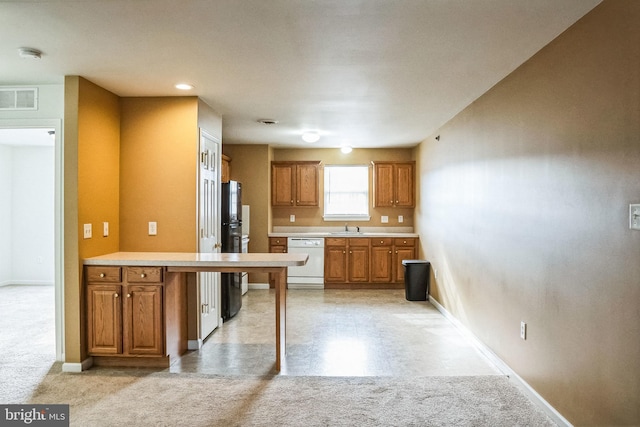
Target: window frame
[(346, 217)]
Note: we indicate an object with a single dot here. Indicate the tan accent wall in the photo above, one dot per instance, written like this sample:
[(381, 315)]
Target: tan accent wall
[(310, 216), (250, 166), (91, 182), (525, 214), (158, 167)]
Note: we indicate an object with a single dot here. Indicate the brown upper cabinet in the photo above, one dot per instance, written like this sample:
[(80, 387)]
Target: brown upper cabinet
[(295, 183), (394, 184), (226, 168)]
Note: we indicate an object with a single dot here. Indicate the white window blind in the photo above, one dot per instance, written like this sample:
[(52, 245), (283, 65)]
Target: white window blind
[(346, 193)]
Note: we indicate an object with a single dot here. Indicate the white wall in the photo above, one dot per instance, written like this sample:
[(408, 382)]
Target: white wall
[(33, 215), (5, 213), (26, 215)]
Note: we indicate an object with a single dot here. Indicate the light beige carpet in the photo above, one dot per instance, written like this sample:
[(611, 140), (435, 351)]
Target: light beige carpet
[(102, 397)]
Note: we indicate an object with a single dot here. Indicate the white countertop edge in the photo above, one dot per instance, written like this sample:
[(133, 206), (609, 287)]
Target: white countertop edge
[(194, 259)]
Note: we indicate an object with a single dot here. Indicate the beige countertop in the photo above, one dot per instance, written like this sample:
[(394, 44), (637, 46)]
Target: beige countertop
[(192, 259)]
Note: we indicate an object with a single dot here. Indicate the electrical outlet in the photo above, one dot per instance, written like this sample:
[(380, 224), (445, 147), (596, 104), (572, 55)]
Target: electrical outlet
[(523, 330), (634, 217), (153, 228), (384, 219), (292, 218), (87, 231), (105, 229)]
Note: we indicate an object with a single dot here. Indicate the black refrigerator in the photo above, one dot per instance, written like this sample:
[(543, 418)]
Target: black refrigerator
[(231, 283)]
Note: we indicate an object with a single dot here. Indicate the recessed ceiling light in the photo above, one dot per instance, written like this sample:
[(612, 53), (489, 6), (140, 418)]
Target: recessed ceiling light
[(184, 86), (29, 52), (310, 136)]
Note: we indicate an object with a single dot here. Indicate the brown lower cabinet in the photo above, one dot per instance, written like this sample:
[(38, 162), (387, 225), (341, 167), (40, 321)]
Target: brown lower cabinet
[(277, 245), (366, 262), (133, 315)]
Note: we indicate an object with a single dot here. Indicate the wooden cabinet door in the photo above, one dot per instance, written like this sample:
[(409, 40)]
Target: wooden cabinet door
[(307, 185), (277, 245), (104, 319), (403, 249), (282, 184), (383, 185), (143, 328), (381, 260), (404, 185), (358, 260), (335, 262)]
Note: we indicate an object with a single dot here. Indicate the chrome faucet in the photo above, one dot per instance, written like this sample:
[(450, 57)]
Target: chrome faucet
[(346, 227)]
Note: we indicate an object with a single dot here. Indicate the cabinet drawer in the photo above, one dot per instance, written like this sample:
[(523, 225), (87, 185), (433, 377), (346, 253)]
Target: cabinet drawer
[(360, 241), (144, 274), (405, 242), (104, 274), (277, 241), (335, 241), (381, 241)]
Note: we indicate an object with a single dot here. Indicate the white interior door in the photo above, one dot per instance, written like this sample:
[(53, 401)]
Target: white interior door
[(209, 229)]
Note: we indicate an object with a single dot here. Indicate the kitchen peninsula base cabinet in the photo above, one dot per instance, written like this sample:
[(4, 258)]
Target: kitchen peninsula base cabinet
[(134, 316), (366, 263)]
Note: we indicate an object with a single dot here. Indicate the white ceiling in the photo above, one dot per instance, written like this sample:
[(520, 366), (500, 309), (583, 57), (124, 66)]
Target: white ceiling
[(369, 73)]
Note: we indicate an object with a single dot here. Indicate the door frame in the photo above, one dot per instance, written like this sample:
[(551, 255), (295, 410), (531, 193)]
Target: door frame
[(58, 223)]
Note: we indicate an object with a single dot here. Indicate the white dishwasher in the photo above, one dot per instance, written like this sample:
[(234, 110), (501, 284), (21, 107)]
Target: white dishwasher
[(310, 275)]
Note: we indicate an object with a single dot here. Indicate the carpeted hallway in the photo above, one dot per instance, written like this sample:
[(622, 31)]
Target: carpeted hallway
[(353, 358)]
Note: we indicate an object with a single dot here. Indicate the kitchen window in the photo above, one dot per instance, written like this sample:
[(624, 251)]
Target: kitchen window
[(346, 193)]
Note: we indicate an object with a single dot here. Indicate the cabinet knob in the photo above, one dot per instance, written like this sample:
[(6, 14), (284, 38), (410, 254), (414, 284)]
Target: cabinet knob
[(405, 241), (397, 201), (102, 274), (115, 295), (344, 252), (389, 251), (129, 295), (350, 252), (291, 202), (284, 251), (143, 275), (396, 251), (381, 241)]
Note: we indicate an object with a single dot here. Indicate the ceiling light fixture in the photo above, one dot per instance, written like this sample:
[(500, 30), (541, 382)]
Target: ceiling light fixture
[(268, 121), (29, 52), (310, 137), (346, 149), (184, 86)]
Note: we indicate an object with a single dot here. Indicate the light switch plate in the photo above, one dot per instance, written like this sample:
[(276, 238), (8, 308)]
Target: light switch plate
[(153, 228), (634, 217), (400, 218), (292, 218), (87, 231), (105, 229)]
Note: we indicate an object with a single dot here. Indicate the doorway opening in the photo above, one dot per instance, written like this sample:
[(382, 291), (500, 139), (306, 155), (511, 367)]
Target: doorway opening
[(31, 250)]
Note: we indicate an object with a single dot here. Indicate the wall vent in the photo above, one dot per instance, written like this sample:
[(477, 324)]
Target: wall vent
[(18, 98)]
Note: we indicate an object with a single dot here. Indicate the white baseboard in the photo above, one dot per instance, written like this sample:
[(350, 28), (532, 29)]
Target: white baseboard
[(78, 367), (258, 286), (194, 344), (26, 283), (504, 368)]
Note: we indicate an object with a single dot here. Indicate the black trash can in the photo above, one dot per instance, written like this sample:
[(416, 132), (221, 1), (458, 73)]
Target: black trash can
[(416, 279)]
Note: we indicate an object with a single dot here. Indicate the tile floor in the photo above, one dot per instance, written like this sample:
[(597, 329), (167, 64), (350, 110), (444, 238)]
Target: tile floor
[(338, 333)]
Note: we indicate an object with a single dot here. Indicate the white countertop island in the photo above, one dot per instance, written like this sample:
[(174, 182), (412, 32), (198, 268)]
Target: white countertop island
[(178, 263)]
